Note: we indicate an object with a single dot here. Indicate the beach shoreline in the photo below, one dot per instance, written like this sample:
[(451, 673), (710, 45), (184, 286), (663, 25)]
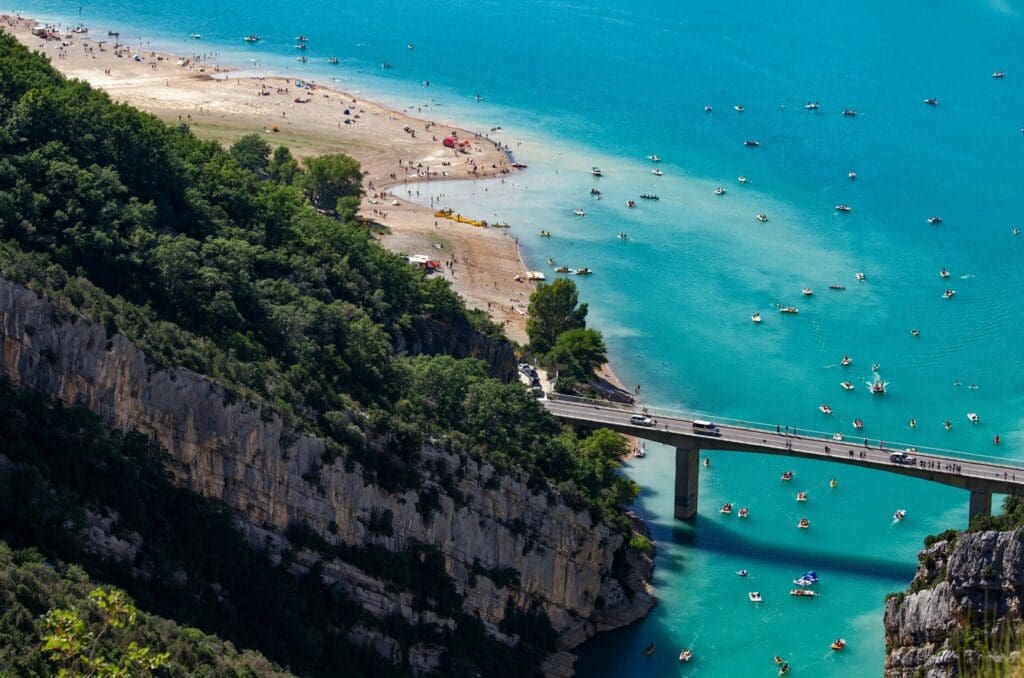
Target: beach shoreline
[(405, 158)]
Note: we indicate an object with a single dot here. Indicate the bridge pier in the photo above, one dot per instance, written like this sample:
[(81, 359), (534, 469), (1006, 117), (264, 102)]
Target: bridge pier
[(981, 503), (687, 482)]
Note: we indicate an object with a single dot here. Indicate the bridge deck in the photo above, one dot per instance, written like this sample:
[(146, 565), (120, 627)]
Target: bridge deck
[(973, 472)]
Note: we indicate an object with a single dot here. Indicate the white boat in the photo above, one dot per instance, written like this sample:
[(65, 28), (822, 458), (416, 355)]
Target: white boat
[(858, 424), (742, 573), (754, 597), (719, 191), (789, 309), (726, 508), (803, 524), (802, 593), (934, 220), (196, 36), (708, 109), (861, 277), (949, 294), (301, 38), (738, 108), (596, 171), (852, 175), (837, 436), (742, 179), (837, 287), (843, 208), (899, 515), (846, 361), (762, 217), (332, 60), (973, 418), (752, 143), (252, 38), (623, 236), (877, 386), (654, 158), (656, 172), (534, 275), (579, 212), (931, 101), (999, 75), (807, 291), (849, 113), (944, 273), (582, 271), (756, 318), (801, 496), (786, 476), (825, 409), (811, 106), (744, 512), (847, 385), (686, 655)]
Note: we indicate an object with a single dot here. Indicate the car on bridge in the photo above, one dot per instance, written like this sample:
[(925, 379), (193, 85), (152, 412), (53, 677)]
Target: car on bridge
[(641, 420), (903, 458)]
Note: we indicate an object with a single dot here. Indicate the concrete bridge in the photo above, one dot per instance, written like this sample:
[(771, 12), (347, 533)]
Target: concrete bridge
[(980, 475)]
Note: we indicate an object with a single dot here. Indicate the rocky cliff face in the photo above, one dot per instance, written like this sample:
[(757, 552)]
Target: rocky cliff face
[(961, 584), (275, 477)]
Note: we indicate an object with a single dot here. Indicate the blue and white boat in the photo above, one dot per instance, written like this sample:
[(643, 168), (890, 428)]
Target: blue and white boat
[(809, 578)]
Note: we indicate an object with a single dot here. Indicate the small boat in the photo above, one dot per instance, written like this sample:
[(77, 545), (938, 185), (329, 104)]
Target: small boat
[(973, 418), (948, 425), (789, 309), (754, 597), (915, 332), (252, 38), (596, 171), (726, 508), (808, 578), (640, 452), (934, 220), (478, 97), (649, 650), (744, 512), (846, 361), (756, 318), (332, 60), (837, 436), (949, 294), (849, 113), (999, 75), (551, 262), (579, 212), (196, 36), (1015, 230), (786, 476), (707, 462), (912, 423), (784, 669), (931, 101), (847, 385), (742, 179), (545, 234), (301, 38), (519, 165), (803, 524), (630, 203), (779, 661), (686, 655), (843, 208), (899, 515), (858, 424), (708, 109), (594, 191), (837, 286), (838, 644), (656, 172), (852, 175), (833, 483), (742, 573), (802, 593), (583, 271), (807, 291), (762, 217), (301, 45), (877, 387), (751, 143), (654, 158), (861, 277), (563, 269), (944, 273), (801, 496), (303, 59), (738, 108), (825, 409), (811, 106), (719, 191), (623, 236), (875, 366), (650, 196)]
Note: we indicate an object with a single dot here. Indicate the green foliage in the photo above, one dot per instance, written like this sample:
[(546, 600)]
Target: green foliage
[(251, 152), (639, 542), (330, 177), (553, 309), (1011, 518), (283, 168), (55, 617), (575, 356)]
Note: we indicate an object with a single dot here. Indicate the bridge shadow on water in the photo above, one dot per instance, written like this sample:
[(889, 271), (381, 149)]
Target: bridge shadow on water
[(710, 537)]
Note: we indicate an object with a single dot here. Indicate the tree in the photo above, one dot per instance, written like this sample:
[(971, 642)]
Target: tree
[(252, 152), (575, 356), (554, 309), (79, 651), (330, 177), (282, 167)]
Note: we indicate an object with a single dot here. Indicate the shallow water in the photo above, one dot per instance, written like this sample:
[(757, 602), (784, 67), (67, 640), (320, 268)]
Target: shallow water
[(593, 83)]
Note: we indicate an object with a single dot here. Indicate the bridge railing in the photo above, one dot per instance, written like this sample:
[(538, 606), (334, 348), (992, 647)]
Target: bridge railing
[(825, 436)]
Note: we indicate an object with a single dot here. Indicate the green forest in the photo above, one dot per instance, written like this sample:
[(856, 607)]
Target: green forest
[(216, 260)]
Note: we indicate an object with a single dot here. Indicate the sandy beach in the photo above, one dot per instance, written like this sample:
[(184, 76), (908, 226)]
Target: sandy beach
[(402, 156)]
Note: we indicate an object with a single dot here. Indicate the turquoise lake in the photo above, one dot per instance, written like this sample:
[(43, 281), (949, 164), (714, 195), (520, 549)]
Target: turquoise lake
[(584, 83)]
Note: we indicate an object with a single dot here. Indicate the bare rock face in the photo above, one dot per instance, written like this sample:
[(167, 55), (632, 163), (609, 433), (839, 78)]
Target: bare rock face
[(958, 588), (274, 476)]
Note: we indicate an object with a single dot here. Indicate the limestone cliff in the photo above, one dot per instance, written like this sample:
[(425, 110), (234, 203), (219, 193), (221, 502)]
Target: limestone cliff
[(963, 584), (506, 549)]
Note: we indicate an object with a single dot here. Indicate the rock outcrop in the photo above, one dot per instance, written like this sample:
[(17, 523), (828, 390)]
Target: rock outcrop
[(964, 601), (548, 556)]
